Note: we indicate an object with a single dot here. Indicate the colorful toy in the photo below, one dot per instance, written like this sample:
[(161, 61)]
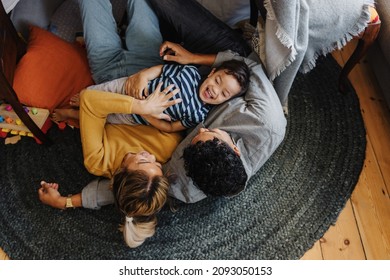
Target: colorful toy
[(10, 122), (34, 111)]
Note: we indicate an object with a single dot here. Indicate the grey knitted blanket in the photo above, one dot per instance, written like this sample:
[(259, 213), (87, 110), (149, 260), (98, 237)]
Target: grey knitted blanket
[(297, 32)]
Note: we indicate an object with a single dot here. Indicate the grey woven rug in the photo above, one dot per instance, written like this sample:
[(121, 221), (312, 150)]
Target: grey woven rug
[(287, 207)]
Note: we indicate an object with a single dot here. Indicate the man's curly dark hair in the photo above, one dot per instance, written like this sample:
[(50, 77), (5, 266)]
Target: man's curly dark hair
[(215, 168)]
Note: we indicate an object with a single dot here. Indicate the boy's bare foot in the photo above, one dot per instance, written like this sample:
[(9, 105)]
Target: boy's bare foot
[(60, 115), (75, 100)]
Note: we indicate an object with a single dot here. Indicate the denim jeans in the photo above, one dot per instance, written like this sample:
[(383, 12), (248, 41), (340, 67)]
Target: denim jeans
[(189, 23), (108, 57)]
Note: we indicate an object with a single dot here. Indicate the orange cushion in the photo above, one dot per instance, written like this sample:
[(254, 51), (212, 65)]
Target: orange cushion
[(51, 71)]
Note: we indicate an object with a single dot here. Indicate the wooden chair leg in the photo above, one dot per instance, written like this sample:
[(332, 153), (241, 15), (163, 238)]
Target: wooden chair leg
[(365, 41)]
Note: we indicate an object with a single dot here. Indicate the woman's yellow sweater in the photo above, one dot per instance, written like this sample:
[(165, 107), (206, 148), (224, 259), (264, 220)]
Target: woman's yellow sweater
[(105, 145)]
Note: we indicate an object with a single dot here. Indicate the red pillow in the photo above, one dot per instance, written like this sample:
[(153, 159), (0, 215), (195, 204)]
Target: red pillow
[(51, 71)]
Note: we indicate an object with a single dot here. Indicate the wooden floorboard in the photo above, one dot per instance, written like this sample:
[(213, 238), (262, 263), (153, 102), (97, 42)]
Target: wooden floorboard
[(375, 112), (342, 241), (3, 255), (363, 229), (371, 205), (315, 253), (370, 200)]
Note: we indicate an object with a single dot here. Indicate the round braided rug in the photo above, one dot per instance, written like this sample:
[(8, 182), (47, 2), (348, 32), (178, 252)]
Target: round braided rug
[(287, 207)]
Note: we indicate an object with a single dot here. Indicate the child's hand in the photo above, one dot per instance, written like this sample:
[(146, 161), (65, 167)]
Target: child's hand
[(136, 85)]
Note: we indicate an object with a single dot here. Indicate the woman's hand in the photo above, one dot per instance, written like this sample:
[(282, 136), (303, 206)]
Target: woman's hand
[(136, 86), (174, 52), (49, 195), (157, 102)]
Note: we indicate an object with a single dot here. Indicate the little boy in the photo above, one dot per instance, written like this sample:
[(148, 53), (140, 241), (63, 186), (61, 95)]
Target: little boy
[(229, 80)]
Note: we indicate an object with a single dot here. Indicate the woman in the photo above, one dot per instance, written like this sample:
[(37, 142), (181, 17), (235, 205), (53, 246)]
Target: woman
[(130, 156)]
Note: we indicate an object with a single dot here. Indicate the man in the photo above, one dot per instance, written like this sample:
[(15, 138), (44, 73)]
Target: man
[(250, 129)]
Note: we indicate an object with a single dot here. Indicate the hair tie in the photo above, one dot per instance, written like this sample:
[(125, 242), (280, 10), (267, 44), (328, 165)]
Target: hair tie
[(129, 219)]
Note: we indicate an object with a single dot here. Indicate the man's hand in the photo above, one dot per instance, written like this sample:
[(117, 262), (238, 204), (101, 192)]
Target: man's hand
[(176, 53)]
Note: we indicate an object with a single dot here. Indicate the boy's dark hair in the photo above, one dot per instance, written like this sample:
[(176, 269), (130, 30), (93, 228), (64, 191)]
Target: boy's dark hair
[(215, 168), (239, 70)]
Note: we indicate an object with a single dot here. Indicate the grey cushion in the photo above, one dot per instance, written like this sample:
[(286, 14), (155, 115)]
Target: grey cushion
[(33, 12), (66, 21)]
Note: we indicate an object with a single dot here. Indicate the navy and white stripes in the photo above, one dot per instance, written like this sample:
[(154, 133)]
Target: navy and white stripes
[(191, 110)]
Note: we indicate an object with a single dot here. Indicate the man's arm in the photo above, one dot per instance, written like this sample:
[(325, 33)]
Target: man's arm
[(229, 55)]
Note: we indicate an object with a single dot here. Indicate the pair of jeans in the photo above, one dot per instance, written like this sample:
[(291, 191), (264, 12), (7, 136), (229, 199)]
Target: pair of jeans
[(109, 58), (199, 31)]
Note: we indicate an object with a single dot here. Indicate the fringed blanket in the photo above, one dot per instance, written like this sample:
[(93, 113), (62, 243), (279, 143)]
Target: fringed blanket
[(298, 31)]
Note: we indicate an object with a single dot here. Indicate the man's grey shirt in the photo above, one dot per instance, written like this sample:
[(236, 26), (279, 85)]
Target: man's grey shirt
[(255, 121)]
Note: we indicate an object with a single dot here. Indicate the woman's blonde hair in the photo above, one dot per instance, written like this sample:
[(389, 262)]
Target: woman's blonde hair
[(139, 198)]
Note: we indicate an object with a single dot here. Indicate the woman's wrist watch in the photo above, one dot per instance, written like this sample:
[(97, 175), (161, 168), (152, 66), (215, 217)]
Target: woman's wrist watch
[(69, 203)]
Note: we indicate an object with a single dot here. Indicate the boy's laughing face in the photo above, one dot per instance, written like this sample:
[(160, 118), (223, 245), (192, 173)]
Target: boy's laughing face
[(218, 88)]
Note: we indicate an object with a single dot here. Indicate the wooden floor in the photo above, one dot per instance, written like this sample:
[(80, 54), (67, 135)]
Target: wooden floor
[(362, 230)]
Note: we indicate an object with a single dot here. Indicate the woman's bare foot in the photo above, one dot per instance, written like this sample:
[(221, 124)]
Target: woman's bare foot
[(60, 115), (75, 100)]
